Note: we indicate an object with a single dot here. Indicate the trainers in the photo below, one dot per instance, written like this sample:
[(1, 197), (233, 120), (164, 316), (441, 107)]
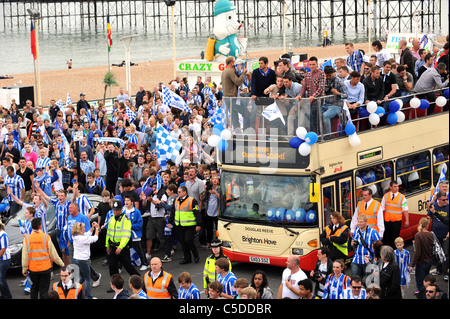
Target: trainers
[(105, 262), (446, 277), (148, 256), (143, 267), (96, 283), (166, 259), (172, 252)]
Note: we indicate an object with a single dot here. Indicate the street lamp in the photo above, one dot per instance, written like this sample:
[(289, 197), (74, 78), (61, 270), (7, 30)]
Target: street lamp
[(126, 41), (284, 24), (171, 3), (35, 15)]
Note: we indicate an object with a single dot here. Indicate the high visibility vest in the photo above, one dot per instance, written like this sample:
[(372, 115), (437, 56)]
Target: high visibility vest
[(342, 248), (118, 231), (158, 289), (371, 213), (209, 272), (184, 214), (230, 197), (38, 253), (72, 294), (393, 207)]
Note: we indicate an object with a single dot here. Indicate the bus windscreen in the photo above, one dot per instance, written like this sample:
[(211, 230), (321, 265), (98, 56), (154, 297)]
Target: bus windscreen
[(267, 199)]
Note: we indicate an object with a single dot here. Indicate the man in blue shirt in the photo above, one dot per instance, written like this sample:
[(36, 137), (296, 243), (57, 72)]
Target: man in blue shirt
[(355, 93), (439, 215)]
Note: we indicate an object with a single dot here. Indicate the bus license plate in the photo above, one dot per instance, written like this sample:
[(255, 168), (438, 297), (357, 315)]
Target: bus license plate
[(259, 260)]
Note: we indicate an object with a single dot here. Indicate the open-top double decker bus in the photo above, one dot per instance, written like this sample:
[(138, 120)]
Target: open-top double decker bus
[(276, 202)]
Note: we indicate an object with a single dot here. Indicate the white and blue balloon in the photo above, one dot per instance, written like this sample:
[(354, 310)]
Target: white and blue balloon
[(303, 141), (220, 137)]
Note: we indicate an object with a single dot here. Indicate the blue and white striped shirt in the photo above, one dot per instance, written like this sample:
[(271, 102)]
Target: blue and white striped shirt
[(403, 259), (347, 294), (355, 60), (16, 184), (61, 212), (132, 138), (334, 287), (370, 235), (43, 162), (41, 212), (4, 242), (101, 181), (191, 293), (84, 204), (228, 283)]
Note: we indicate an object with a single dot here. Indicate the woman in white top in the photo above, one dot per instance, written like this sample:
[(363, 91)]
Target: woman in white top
[(54, 169), (82, 251)]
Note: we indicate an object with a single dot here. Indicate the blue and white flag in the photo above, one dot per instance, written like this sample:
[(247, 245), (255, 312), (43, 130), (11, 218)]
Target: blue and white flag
[(172, 99), (329, 62), (272, 112), (68, 100), (167, 147), (217, 117), (212, 105), (135, 259), (441, 178)]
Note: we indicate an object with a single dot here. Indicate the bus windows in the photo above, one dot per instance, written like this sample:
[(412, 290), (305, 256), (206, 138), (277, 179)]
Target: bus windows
[(346, 200), (267, 198), (328, 203), (440, 160), (414, 172), (376, 177)]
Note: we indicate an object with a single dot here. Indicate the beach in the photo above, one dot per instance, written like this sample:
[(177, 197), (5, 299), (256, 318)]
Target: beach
[(57, 83)]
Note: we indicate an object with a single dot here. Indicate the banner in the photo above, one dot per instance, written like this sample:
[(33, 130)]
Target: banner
[(394, 38)]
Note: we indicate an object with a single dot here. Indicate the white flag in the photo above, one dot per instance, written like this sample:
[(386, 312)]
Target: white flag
[(272, 112)]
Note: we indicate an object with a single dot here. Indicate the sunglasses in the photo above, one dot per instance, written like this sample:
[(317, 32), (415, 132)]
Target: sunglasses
[(356, 287), (443, 199), (430, 291)]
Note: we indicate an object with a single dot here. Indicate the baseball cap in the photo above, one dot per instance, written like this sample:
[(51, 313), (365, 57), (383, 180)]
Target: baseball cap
[(83, 94)]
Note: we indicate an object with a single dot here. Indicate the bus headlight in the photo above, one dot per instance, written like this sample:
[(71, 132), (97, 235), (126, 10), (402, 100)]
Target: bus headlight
[(297, 251), (226, 244), (15, 248)]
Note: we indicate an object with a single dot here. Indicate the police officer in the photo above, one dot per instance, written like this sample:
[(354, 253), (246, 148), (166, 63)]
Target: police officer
[(209, 271), (187, 219), (118, 241), (37, 254)]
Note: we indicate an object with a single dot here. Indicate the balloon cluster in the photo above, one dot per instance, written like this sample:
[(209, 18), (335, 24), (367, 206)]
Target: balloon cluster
[(353, 138), (421, 104), (303, 141), (441, 101), (300, 215), (220, 137)]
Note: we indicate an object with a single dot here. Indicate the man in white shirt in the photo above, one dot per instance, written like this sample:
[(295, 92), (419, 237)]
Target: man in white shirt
[(292, 275)]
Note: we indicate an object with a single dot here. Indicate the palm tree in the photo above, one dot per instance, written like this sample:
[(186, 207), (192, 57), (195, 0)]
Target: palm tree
[(109, 80)]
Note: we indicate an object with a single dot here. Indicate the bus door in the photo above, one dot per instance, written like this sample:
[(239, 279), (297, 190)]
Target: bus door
[(337, 195), (329, 201)]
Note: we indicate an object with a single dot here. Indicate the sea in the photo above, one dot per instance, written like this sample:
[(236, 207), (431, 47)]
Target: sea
[(88, 46)]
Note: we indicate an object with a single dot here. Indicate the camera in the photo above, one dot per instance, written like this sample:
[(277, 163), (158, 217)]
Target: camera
[(317, 275), (208, 185)]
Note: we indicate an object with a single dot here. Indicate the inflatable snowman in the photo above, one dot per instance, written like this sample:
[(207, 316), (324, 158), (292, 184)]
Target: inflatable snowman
[(226, 25)]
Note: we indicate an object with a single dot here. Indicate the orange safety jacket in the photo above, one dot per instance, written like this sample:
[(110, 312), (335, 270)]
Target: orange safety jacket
[(73, 292), (393, 211), (38, 251), (371, 213), (158, 289)]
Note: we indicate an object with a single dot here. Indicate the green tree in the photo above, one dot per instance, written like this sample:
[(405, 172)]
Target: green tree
[(109, 80)]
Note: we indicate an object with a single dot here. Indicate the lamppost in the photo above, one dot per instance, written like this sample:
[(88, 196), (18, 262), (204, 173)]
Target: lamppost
[(284, 24), (35, 15), (171, 3), (126, 41)]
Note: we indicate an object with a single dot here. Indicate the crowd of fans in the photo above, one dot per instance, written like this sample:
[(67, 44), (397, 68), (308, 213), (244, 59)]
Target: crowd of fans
[(126, 167)]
